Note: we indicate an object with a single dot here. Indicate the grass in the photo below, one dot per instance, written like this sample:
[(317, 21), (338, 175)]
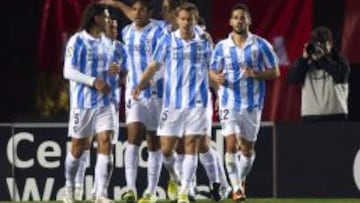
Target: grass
[(299, 200)]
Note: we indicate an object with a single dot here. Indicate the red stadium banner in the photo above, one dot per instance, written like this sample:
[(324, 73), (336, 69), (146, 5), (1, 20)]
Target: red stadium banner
[(285, 24), (351, 31), (59, 20)]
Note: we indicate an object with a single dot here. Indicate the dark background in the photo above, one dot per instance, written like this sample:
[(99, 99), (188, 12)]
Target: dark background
[(19, 82)]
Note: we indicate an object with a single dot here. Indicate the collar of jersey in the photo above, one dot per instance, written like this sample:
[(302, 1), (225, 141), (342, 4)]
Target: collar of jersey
[(248, 41), (177, 35), (146, 27)]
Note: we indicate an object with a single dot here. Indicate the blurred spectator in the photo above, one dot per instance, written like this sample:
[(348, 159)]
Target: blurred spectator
[(323, 73)]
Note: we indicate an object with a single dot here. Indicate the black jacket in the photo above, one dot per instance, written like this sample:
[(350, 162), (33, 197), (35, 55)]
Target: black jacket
[(335, 64)]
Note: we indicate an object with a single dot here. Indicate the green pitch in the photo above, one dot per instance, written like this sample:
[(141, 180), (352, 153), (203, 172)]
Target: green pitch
[(304, 200)]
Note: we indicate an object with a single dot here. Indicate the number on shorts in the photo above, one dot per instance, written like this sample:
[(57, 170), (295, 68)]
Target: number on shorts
[(224, 114), (164, 116), (128, 104), (76, 118)]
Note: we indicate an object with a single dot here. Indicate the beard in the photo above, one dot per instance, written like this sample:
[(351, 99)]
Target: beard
[(240, 31)]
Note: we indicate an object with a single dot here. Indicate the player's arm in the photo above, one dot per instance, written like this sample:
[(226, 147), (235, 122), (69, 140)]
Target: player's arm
[(125, 9), (268, 74), (270, 61), (146, 77)]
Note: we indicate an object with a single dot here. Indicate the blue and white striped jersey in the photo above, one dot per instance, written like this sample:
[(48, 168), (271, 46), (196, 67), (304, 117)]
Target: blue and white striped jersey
[(140, 45), (119, 57), (186, 65), (240, 92), (90, 56)]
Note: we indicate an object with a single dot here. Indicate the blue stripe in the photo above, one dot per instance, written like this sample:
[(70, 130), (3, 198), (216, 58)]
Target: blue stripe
[(236, 85), (179, 72), (205, 68), (266, 49), (166, 42), (76, 52), (81, 93), (192, 75), (160, 87), (250, 81), (94, 73), (143, 58)]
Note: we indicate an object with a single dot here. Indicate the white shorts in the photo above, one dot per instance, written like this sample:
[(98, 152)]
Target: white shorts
[(144, 111), (88, 122), (116, 127), (242, 122), (180, 122)]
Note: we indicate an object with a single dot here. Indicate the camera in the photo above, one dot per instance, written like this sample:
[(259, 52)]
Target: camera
[(315, 48)]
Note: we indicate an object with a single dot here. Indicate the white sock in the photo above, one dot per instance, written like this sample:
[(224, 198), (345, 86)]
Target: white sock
[(154, 170), (131, 165), (232, 163), (80, 174), (102, 174), (169, 163), (189, 169), (245, 165), (179, 159), (71, 167), (208, 160), (220, 168)]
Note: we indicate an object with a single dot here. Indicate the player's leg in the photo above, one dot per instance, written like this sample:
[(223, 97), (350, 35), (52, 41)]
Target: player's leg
[(155, 155), (248, 136), (154, 167), (208, 160), (171, 128), (194, 122), (104, 129), (80, 130), (80, 175), (136, 116)]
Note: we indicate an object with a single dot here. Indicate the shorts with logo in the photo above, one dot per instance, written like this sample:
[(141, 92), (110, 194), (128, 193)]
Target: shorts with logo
[(183, 122), (243, 122), (144, 111), (88, 122)]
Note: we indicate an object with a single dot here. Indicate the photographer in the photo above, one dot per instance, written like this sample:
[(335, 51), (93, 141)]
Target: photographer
[(324, 74)]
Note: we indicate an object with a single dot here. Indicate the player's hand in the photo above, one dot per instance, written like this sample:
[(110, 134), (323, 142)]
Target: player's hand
[(135, 93), (220, 78), (305, 55), (108, 2), (250, 73), (114, 69), (101, 86)]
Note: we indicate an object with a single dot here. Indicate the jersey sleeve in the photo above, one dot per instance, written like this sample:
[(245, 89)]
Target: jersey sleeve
[(268, 55), (217, 59), (162, 49), (73, 52)]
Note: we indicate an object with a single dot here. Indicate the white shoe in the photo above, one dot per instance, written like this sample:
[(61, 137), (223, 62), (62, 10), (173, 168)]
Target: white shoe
[(78, 194), (103, 200), (68, 195)]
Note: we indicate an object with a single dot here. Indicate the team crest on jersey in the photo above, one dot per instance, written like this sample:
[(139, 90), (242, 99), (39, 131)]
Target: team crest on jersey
[(70, 52)]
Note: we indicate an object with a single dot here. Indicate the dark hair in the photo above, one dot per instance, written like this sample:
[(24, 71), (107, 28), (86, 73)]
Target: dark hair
[(174, 4), (88, 18), (201, 21), (321, 34), (147, 3), (240, 6), (190, 7)]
